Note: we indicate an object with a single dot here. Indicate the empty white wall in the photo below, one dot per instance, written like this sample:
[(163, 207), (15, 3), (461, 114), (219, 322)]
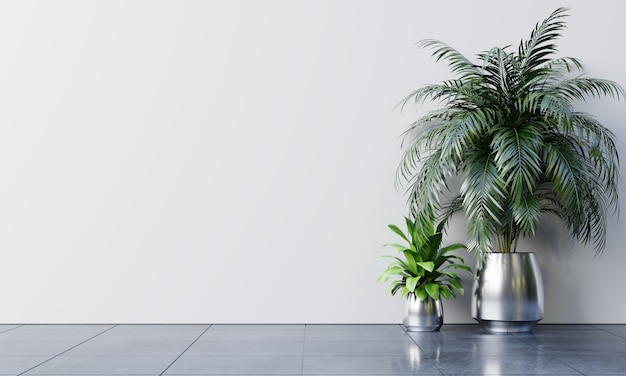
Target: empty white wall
[(233, 161)]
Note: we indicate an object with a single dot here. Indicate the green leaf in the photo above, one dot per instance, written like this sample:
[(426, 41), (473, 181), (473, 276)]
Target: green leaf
[(397, 230), (393, 288), (421, 294), (444, 291), (392, 272), (428, 265), (452, 247), (404, 292), (448, 273), (433, 244), (433, 290), (410, 263), (398, 247), (412, 282), (458, 266), (456, 283)]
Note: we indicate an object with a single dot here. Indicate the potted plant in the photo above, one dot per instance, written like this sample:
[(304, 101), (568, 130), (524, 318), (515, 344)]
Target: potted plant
[(509, 133), (423, 274)]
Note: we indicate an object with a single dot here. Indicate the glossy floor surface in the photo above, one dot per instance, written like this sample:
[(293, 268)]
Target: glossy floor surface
[(308, 350)]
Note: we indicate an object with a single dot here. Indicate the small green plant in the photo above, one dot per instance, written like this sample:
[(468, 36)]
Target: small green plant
[(425, 268)]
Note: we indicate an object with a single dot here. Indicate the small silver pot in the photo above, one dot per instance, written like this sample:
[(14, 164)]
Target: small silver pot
[(508, 293), (423, 316)]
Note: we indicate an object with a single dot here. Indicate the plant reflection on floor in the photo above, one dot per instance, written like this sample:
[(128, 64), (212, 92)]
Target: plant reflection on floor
[(492, 366), (415, 356)]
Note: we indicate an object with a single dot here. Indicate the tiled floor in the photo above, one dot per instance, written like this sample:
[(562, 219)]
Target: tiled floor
[(384, 350)]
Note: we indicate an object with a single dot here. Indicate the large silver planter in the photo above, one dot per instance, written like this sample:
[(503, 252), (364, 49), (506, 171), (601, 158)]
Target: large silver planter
[(423, 316), (508, 293)]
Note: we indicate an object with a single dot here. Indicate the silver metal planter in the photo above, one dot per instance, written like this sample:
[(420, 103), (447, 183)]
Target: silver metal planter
[(508, 293), (423, 316)]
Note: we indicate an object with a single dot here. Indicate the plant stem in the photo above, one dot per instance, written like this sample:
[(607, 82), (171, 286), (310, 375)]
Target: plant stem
[(515, 244)]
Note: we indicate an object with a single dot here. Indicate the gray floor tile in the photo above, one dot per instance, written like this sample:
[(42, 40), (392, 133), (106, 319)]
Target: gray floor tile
[(129, 348), (566, 339), (617, 330), (105, 365), (352, 348), (566, 355), (20, 334), (67, 327), (609, 327), (246, 348), (13, 365), (460, 335), (356, 335), (597, 364), (394, 327), (253, 335), (164, 327), (576, 342), (257, 327), (5, 327), (34, 348), (152, 333), (562, 327), (566, 335), (510, 365), (586, 346), (468, 350), (462, 329), (236, 365), (369, 365), (475, 347)]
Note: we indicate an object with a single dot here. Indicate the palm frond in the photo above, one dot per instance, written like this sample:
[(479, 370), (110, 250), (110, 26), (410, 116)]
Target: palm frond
[(483, 192), (516, 155), (458, 63), (602, 156), (462, 131), (426, 188), (535, 51), (580, 88), (527, 214)]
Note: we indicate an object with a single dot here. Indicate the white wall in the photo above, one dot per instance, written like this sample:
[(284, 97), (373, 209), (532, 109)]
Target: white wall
[(233, 161)]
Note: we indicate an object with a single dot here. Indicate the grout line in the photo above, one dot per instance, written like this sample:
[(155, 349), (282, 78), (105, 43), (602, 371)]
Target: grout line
[(15, 327), (303, 350), (185, 350), (63, 352), (606, 331), (422, 352)]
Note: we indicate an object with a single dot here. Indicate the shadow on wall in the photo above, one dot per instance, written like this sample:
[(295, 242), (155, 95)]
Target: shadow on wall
[(555, 250)]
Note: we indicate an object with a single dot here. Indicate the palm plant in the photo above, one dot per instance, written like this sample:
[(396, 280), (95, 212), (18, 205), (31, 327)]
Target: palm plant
[(508, 131)]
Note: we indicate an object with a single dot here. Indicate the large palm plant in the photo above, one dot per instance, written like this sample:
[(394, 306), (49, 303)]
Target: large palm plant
[(508, 131)]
